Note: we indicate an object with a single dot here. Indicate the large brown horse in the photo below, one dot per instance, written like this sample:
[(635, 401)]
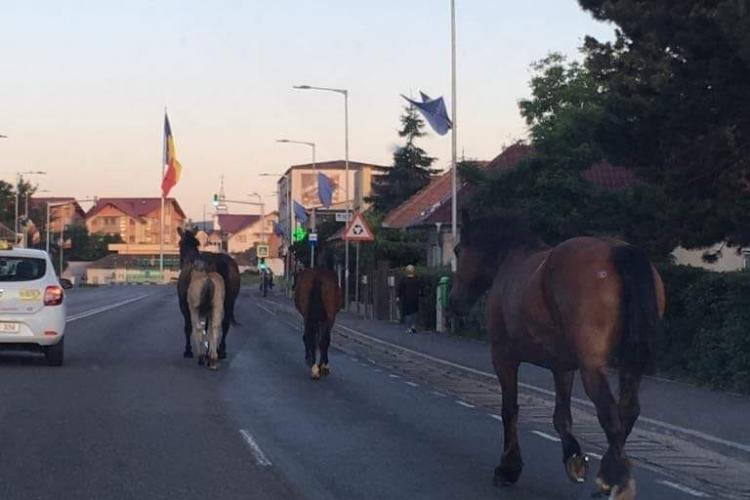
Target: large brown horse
[(317, 296), (216, 262), (573, 306)]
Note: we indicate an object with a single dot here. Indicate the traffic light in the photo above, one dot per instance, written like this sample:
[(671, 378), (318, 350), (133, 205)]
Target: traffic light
[(216, 200), (299, 233)]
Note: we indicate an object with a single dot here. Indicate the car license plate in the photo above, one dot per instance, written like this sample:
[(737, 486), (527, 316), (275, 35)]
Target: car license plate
[(9, 327)]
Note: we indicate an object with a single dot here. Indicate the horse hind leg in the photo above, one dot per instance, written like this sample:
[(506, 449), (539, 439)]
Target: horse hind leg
[(310, 340), (576, 463), (614, 477), (325, 342), (187, 329)]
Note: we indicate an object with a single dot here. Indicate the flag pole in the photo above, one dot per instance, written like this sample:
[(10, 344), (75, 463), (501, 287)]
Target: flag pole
[(454, 174), (161, 222)]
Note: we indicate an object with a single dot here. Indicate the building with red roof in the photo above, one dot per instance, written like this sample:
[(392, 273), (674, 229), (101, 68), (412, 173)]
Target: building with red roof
[(138, 222)]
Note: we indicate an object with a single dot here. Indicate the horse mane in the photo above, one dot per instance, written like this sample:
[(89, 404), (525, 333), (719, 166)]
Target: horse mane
[(499, 232)]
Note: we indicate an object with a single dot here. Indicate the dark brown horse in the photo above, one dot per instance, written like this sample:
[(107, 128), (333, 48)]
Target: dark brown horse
[(573, 306), (216, 262), (317, 296)]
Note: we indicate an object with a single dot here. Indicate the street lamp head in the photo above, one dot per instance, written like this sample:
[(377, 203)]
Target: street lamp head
[(302, 87), (282, 140)]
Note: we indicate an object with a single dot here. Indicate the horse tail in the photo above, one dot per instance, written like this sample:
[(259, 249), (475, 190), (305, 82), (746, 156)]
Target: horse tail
[(640, 310), (316, 310), (205, 305)]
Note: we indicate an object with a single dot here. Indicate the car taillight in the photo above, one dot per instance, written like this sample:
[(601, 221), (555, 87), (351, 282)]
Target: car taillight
[(53, 295)]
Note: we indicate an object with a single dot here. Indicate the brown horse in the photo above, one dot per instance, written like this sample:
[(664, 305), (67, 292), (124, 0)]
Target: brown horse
[(317, 296), (218, 262), (572, 306)]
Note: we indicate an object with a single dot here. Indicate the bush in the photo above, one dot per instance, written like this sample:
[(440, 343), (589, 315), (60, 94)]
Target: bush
[(705, 335), (429, 277)]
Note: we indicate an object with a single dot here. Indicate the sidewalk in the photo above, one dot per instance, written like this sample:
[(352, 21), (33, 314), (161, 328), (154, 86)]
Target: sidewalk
[(718, 419)]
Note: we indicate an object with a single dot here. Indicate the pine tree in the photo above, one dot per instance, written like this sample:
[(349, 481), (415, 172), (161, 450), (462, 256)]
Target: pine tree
[(411, 169)]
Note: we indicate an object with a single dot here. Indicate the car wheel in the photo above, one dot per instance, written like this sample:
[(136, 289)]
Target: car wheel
[(54, 353)]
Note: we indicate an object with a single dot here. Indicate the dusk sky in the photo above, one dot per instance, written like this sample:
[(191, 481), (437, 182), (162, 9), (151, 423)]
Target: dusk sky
[(83, 85)]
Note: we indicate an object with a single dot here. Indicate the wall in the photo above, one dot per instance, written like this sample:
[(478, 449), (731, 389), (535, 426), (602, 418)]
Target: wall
[(729, 260)]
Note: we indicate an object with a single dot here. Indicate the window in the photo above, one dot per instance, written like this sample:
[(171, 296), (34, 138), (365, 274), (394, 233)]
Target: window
[(22, 268)]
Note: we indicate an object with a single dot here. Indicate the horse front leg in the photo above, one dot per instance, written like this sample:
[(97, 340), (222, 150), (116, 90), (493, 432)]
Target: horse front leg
[(511, 464), (614, 477), (576, 463)]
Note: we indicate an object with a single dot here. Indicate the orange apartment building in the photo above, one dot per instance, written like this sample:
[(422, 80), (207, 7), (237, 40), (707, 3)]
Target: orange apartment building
[(138, 222)]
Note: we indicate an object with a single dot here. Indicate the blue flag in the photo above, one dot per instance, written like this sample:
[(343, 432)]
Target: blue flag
[(434, 112), (299, 212), (325, 190), (278, 230)]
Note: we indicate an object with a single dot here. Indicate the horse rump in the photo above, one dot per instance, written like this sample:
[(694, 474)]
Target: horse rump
[(640, 312)]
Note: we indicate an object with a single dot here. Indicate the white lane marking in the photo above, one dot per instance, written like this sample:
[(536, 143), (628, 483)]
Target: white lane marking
[(378, 370), (595, 455), (496, 417), (464, 404), (260, 457), (97, 310), (682, 488), (657, 423), (412, 384), (546, 436), (392, 375), (438, 393), (266, 309)]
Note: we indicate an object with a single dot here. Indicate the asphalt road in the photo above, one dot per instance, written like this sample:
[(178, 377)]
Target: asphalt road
[(128, 417)]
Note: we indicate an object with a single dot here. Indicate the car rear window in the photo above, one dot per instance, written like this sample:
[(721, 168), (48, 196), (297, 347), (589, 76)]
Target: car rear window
[(21, 268)]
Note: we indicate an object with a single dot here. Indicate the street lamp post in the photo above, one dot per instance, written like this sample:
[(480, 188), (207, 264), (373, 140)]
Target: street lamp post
[(262, 216), (345, 93), (315, 171)]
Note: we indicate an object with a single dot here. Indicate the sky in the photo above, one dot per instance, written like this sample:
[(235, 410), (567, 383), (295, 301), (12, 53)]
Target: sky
[(84, 85)]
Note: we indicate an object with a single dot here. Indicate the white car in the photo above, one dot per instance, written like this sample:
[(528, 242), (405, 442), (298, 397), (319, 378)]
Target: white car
[(32, 303)]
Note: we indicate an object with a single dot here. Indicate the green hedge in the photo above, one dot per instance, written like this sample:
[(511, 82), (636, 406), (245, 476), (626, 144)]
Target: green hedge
[(705, 336), (706, 330)]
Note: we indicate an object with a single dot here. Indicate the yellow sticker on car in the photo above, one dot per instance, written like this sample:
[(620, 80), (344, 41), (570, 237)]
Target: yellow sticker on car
[(29, 294)]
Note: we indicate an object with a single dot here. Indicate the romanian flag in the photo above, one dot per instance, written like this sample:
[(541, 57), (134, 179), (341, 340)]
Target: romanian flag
[(173, 167)]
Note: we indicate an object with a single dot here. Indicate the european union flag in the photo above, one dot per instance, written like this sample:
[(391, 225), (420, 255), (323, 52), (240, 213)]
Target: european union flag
[(325, 190), (299, 212), (434, 112)]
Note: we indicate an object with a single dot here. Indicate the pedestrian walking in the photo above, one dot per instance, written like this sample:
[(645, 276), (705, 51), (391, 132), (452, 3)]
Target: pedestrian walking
[(408, 297)]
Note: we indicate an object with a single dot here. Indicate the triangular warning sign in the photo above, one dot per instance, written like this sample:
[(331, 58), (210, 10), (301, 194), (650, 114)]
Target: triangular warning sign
[(358, 230)]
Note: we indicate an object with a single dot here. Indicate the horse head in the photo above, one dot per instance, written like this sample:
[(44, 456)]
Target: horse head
[(483, 244), (188, 246)]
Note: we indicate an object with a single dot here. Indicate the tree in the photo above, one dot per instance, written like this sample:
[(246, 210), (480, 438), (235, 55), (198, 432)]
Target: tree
[(411, 169), (676, 79), (667, 99)]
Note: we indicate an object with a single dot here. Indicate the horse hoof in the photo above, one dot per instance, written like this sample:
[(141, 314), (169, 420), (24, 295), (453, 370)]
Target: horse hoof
[(187, 354), (506, 476), (602, 488), (577, 467), (315, 372), (324, 370), (626, 492), (213, 365)]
